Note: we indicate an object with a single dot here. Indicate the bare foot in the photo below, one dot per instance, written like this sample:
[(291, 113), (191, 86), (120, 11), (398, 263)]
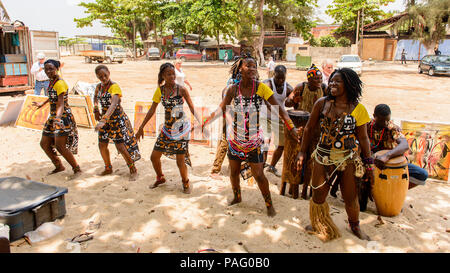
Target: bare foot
[(359, 233), (133, 176), (76, 173), (58, 169), (271, 211), (106, 172), (158, 182), (235, 201), (186, 188)]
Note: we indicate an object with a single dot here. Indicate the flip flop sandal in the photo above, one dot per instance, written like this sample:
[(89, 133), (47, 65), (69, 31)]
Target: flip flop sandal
[(159, 181), (84, 237)]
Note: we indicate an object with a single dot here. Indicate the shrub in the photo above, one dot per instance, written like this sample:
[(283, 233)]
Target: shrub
[(344, 42), (327, 41)]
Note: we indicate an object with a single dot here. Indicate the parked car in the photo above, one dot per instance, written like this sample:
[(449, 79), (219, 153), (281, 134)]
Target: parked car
[(153, 53), (189, 55), (351, 61), (435, 64)]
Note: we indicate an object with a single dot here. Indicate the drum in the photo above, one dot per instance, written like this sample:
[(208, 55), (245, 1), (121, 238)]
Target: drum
[(291, 148), (300, 118), (391, 185)]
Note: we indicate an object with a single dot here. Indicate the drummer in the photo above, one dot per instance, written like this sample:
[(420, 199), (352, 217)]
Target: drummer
[(303, 98), (385, 135), (281, 90)]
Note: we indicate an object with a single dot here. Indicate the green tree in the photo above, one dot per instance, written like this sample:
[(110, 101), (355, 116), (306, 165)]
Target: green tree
[(327, 41), (258, 15), (313, 41), (344, 42), (428, 22), (345, 12)]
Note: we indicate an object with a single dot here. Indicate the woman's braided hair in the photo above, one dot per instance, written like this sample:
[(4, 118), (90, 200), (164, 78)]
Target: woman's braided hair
[(234, 71), (352, 83), (163, 67)]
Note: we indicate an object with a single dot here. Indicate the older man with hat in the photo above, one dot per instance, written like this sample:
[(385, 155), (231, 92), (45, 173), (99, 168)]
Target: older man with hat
[(41, 78)]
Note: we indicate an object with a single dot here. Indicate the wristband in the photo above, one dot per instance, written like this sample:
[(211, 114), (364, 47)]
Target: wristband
[(289, 124)]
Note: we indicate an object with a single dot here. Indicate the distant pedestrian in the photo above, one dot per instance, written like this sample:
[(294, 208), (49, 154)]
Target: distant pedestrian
[(403, 56), (225, 59), (436, 51), (41, 78), (204, 55), (270, 68)]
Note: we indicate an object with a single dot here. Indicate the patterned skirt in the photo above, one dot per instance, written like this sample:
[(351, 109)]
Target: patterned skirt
[(119, 130), (68, 129), (171, 146)]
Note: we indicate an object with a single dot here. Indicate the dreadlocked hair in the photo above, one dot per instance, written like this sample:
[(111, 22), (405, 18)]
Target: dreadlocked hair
[(352, 83), (234, 71), (162, 68)]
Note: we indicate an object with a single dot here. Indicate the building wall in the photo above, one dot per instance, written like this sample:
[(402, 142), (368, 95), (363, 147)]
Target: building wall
[(318, 54), (373, 48)]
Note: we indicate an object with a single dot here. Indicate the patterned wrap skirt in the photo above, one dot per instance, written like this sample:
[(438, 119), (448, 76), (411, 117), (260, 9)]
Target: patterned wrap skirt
[(119, 130)]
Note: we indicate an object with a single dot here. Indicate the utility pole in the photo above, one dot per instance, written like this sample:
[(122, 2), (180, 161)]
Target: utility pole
[(357, 32), (134, 35), (362, 31)]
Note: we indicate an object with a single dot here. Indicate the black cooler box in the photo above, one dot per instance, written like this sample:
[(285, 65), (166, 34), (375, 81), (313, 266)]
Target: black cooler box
[(26, 204)]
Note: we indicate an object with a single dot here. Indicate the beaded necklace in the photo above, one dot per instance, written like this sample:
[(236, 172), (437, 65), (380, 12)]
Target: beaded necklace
[(237, 146), (371, 136)]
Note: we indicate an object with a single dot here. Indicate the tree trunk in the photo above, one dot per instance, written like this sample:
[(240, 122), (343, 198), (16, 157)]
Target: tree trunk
[(430, 47), (260, 41), (218, 45)]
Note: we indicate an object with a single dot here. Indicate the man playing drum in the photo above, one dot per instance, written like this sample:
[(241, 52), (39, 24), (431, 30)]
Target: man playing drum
[(385, 135), (303, 98)]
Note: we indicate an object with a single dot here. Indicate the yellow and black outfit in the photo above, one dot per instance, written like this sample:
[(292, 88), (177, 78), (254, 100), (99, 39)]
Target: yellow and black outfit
[(338, 146), (56, 88), (245, 137), (118, 127), (338, 143), (175, 134)]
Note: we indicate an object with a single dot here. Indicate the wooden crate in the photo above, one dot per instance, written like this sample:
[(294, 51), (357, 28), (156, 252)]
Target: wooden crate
[(13, 69), (13, 80)]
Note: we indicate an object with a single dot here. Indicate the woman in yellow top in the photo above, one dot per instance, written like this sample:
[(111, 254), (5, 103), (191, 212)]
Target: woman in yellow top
[(113, 124), (244, 133), (60, 129), (343, 126), (173, 140)]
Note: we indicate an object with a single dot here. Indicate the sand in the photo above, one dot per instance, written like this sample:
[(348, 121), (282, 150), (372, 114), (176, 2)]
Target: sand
[(130, 217)]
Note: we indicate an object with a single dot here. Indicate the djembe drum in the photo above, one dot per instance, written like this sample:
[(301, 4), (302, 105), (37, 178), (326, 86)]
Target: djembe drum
[(390, 185), (291, 149)]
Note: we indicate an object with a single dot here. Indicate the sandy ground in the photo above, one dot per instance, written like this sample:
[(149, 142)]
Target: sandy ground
[(132, 218)]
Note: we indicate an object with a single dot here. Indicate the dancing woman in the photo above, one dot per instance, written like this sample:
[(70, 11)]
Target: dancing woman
[(244, 135), (343, 125), (173, 140), (60, 129), (114, 123)]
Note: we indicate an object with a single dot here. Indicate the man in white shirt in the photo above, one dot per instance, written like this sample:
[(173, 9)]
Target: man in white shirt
[(270, 68), (42, 80), (327, 69)]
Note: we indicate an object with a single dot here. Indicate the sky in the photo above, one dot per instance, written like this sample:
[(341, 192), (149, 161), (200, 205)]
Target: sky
[(57, 15)]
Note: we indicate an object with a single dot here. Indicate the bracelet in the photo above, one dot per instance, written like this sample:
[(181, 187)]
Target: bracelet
[(206, 120), (289, 124)]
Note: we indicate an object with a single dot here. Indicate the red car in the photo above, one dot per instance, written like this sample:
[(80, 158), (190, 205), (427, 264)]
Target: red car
[(189, 55)]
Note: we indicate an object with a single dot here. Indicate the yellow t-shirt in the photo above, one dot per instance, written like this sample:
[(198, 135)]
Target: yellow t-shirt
[(114, 89), (60, 87), (264, 91), (157, 95), (361, 115)]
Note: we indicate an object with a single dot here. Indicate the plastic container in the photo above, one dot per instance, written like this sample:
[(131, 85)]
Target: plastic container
[(4, 231)]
